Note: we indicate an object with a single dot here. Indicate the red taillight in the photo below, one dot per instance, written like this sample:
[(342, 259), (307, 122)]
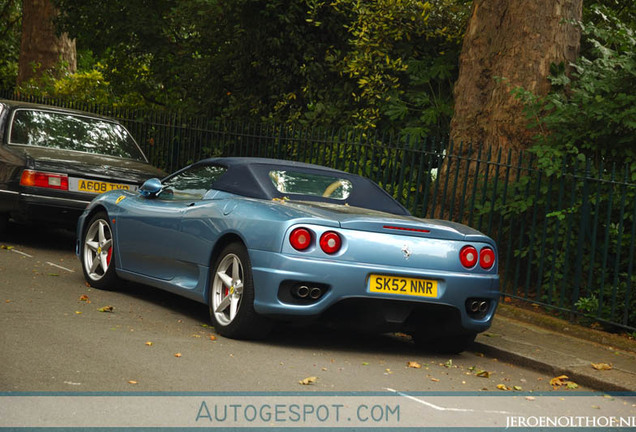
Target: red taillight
[(468, 256), (330, 242), (486, 258), (44, 180), (300, 238)]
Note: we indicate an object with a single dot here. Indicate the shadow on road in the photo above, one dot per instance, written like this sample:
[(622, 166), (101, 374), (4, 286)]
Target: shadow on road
[(41, 237), (305, 336)]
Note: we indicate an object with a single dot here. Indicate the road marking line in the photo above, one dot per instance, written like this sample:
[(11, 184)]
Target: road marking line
[(21, 253), (439, 408), (60, 267)]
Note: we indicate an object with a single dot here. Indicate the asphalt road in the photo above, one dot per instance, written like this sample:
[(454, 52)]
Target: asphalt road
[(55, 338)]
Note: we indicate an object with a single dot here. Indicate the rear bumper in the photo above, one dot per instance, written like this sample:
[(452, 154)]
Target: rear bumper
[(29, 207), (349, 283)]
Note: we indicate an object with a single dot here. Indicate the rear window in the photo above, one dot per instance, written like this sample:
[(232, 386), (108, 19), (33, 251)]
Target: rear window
[(305, 183), (73, 132)]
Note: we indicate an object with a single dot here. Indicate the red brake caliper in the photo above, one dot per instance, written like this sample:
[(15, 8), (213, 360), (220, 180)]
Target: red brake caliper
[(110, 255)]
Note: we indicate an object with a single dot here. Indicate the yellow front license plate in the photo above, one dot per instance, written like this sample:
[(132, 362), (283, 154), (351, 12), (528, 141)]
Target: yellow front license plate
[(99, 186), (403, 286)]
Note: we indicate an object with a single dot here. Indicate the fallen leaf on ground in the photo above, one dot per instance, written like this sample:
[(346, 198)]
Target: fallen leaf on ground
[(503, 387), (563, 380), (559, 381), (517, 388), (106, 309), (414, 365), (482, 374), (602, 366), (148, 343), (6, 247), (435, 379), (449, 363), (308, 380), (177, 355), (212, 337), (84, 298), (132, 382)]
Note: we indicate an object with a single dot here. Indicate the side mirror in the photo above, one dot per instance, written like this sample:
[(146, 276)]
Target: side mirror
[(151, 188)]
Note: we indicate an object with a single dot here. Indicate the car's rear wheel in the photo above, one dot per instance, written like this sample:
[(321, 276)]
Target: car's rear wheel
[(98, 261), (231, 296), (450, 344)]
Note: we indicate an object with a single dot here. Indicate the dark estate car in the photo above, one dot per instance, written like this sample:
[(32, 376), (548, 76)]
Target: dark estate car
[(54, 161)]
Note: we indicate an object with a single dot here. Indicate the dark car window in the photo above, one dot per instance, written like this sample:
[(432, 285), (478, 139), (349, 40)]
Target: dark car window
[(191, 184), (73, 132)]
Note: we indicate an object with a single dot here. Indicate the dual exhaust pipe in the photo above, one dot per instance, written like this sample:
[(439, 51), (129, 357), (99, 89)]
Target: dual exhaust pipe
[(303, 292), (477, 306)]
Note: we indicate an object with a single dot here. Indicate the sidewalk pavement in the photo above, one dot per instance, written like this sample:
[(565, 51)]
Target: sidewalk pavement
[(557, 347)]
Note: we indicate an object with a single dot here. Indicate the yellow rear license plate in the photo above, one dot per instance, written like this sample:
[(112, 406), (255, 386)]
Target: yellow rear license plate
[(93, 186), (402, 286)]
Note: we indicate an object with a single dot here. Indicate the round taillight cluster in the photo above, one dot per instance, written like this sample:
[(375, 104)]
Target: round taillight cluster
[(302, 239), (469, 257), (330, 242)]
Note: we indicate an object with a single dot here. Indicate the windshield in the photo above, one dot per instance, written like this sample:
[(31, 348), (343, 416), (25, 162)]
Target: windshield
[(304, 183), (73, 132)]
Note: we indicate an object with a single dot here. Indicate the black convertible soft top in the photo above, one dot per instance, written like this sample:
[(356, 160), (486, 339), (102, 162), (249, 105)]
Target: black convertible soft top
[(249, 177)]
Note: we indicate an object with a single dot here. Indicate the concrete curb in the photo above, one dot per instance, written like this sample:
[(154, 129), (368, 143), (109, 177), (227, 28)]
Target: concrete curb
[(560, 353)]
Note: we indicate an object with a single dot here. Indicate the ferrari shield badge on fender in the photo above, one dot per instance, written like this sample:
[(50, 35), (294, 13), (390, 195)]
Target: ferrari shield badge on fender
[(120, 199)]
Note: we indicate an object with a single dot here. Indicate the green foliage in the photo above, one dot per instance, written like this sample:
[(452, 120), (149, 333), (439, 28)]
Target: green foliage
[(402, 58), (10, 24), (380, 64), (79, 87)]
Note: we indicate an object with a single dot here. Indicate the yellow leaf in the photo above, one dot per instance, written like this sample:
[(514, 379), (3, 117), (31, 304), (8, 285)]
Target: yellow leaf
[(148, 343), (78, 312), (106, 309), (132, 382), (483, 374), (503, 387), (602, 366), (414, 365), (559, 381), (308, 380), (177, 355)]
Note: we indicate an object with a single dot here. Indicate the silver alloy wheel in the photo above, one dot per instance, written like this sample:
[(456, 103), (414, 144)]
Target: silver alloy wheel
[(98, 249), (227, 289)]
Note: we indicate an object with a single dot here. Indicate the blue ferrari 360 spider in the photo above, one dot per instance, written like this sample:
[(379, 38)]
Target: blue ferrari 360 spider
[(262, 239)]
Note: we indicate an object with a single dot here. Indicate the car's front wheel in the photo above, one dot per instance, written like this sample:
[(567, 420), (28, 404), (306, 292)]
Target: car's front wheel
[(98, 262), (231, 296)]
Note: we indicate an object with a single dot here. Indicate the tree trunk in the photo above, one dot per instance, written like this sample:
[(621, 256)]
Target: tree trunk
[(41, 48), (509, 44)]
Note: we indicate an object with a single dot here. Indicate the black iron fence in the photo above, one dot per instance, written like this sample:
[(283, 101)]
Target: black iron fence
[(566, 236)]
